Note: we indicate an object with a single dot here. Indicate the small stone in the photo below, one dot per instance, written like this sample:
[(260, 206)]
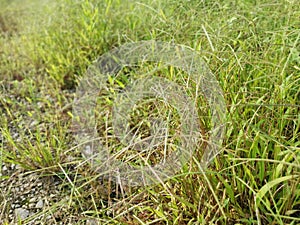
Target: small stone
[(39, 204), (34, 199), (27, 191), (18, 167), (33, 123), (91, 222), (52, 196), (4, 168), (21, 213)]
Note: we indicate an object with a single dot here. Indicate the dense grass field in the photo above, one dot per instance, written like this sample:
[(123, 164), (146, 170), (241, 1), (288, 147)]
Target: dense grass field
[(252, 47)]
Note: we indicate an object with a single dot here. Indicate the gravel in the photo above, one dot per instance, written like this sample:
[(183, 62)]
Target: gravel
[(27, 196), (37, 198)]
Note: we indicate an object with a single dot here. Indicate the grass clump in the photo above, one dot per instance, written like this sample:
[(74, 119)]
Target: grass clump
[(252, 48)]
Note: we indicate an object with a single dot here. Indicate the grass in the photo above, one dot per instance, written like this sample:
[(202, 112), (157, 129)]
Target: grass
[(251, 46)]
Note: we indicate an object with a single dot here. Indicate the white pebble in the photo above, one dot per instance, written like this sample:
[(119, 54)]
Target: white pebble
[(39, 204), (21, 213)]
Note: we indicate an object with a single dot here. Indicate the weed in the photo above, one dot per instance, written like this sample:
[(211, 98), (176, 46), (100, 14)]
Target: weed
[(252, 48)]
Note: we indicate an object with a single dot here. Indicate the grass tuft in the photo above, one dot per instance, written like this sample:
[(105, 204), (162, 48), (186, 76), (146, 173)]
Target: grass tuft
[(251, 46)]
